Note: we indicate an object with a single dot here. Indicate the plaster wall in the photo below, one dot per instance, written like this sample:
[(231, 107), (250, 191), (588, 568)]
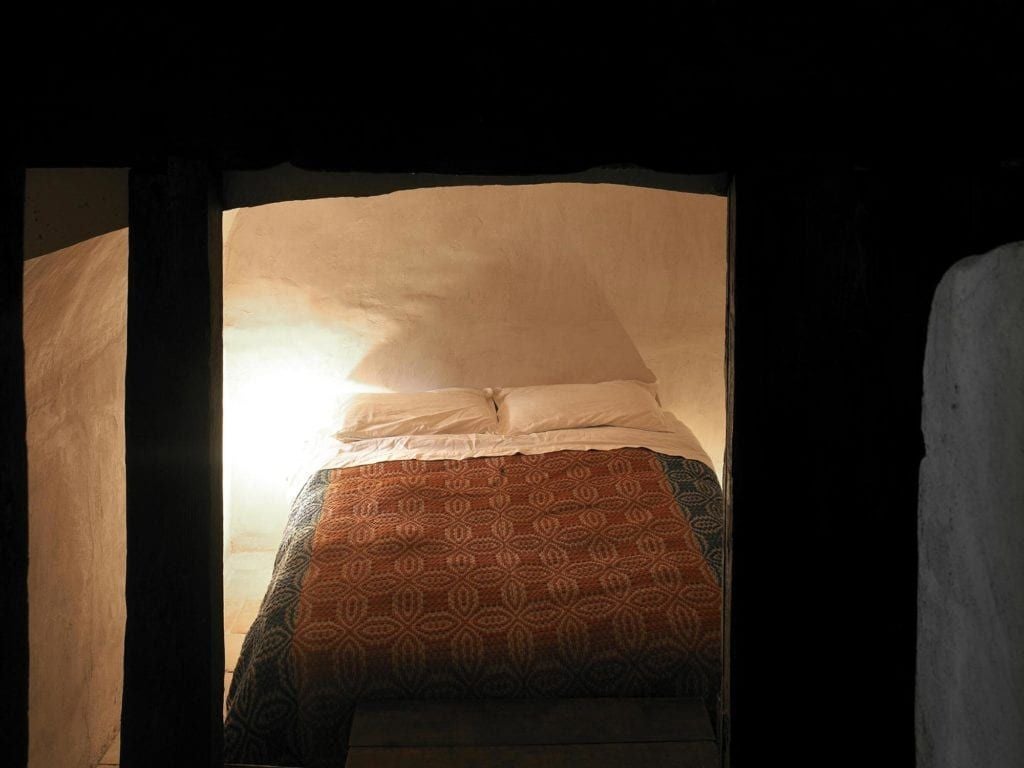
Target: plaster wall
[(970, 644), (470, 286), (74, 332)]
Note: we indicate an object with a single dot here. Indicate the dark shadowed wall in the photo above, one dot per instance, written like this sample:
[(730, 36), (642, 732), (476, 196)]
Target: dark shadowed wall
[(64, 206), (835, 272)]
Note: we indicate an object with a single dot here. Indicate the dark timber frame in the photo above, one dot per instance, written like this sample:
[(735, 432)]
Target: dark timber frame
[(174, 653), (724, 724), (13, 478)]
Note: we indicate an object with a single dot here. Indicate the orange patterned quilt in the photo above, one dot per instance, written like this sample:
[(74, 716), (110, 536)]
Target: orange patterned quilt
[(574, 573)]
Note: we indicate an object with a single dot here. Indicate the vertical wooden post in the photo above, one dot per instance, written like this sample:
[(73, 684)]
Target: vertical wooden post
[(13, 478), (724, 721), (174, 653), (825, 451)]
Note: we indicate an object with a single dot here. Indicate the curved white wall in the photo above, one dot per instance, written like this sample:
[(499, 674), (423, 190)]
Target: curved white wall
[(474, 286), (75, 345)]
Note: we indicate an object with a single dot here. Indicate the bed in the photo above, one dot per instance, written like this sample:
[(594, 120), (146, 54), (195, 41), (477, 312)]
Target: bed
[(569, 563)]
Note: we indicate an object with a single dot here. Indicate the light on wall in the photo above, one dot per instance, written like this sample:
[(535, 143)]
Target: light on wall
[(283, 386)]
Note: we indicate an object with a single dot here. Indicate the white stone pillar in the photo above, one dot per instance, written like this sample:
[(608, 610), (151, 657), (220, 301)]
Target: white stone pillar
[(970, 627)]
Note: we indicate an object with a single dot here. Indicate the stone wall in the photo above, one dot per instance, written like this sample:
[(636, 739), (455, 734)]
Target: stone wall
[(970, 645)]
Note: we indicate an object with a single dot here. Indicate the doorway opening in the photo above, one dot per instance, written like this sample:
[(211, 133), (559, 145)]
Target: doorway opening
[(382, 285)]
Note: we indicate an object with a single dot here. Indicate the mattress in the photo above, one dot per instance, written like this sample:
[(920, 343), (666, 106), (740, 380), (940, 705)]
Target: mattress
[(678, 442), (557, 573)]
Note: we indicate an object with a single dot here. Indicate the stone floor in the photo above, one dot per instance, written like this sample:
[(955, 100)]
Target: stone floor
[(246, 576)]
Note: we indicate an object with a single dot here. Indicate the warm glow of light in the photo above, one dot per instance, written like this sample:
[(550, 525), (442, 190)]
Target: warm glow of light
[(283, 389), (457, 286)]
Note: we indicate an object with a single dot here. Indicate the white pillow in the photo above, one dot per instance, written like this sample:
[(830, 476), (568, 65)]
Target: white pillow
[(522, 410), (455, 411)]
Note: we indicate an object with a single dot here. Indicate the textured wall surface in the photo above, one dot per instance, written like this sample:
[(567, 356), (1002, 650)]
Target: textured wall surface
[(472, 286), (75, 312), (970, 647)]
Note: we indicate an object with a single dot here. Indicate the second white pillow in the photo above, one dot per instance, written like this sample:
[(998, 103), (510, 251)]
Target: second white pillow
[(522, 410)]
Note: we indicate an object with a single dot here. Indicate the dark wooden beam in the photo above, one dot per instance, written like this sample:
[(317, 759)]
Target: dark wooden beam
[(533, 733), (287, 182), (834, 275), (174, 653), (13, 479), (723, 724), (490, 722), (823, 476)]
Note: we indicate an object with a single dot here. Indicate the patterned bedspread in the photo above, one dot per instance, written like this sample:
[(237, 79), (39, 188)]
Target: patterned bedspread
[(575, 573)]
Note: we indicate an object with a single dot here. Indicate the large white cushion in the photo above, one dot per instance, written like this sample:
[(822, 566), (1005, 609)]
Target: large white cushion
[(632, 404), (455, 411)]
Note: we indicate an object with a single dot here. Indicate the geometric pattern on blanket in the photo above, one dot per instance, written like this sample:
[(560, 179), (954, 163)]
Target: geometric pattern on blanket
[(573, 573)]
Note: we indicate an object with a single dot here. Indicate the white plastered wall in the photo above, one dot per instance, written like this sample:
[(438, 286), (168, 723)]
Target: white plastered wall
[(75, 307), (470, 286)]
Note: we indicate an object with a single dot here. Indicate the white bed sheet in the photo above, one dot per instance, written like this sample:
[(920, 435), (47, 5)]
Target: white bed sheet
[(679, 442)]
